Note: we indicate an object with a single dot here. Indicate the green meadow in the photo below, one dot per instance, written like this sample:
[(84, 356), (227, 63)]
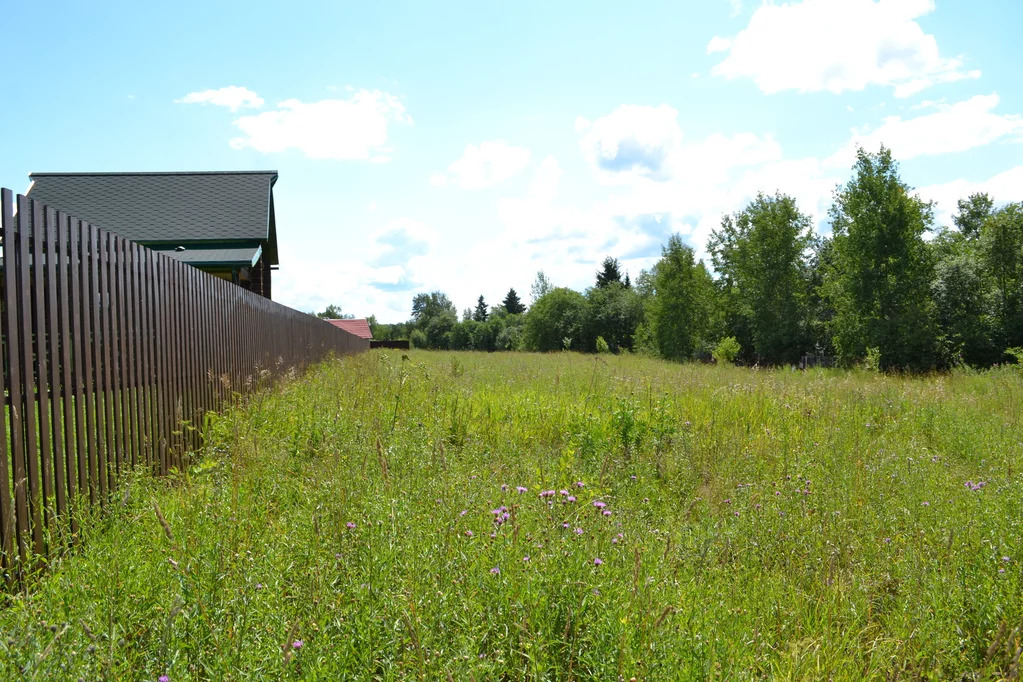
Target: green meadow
[(471, 516)]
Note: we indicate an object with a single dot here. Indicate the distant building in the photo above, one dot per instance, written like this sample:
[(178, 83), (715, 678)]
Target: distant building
[(359, 327), (220, 222)]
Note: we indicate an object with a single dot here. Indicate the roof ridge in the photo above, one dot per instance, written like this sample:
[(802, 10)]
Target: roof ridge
[(244, 172)]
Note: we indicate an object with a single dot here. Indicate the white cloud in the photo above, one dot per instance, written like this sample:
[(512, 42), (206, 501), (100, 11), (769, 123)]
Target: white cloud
[(637, 143), (718, 44), (484, 165), (950, 128), (233, 97), (632, 141), (378, 274), (838, 45), (1004, 187), (355, 128)]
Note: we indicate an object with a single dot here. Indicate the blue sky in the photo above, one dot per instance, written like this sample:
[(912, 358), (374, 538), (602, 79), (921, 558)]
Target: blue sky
[(465, 146)]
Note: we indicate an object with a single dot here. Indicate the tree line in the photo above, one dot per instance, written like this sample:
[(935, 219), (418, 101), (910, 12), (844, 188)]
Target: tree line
[(876, 291)]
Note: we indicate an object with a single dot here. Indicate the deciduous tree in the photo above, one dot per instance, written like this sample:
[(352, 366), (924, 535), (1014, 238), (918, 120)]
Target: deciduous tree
[(881, 289)]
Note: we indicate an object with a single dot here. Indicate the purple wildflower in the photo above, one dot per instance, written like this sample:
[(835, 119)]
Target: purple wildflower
[(468, 533), (565, 524), (525, 558), (495, 570), (728, 500), (259, 586), (350, 524), (520, 489), (163, 678), (579, 484), (599, 505), (633, 477), (598, 561), (925, 504), (504, 488), (606, 512), (563, 493), (463, 512), (1005, 558), (578, 531), (614, 541), (570, 498), (1001, 570), (777, 492), (736, 513), (297, 644)]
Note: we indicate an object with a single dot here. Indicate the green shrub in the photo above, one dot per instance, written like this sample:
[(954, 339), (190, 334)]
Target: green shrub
[(726, 351), (417, 339), (602, 346)]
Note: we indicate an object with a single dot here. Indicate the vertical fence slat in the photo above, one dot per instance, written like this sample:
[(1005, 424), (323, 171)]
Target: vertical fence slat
[(41, 407), (128, 326), (76, 278), (121, 369), (7, 508), (89, 352), (109, 448), (161, 356), (173, 308), (65, 299), (24, 324), (52, 335), (113, 361), (146, 383)]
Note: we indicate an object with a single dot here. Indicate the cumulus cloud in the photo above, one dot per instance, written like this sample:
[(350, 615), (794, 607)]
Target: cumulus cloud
[(634, 144), (378, 273), (484, 165), (838, 45), (718, 44), (1004, 187), (349, 129), (950, 128), (632, 140), (233, 97), (399, 241)]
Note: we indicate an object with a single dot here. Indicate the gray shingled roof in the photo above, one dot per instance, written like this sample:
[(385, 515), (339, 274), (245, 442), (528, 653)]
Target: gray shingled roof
[(167, 207), (245, 255)]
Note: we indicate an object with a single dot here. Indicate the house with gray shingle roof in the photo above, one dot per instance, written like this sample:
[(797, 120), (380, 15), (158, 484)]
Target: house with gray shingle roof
[(221, 222)]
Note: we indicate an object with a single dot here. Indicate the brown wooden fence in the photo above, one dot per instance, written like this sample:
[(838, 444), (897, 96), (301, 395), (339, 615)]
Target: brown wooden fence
[(111, 356)]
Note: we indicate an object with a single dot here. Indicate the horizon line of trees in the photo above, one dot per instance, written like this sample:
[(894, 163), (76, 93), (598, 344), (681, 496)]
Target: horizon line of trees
[(873, 291)]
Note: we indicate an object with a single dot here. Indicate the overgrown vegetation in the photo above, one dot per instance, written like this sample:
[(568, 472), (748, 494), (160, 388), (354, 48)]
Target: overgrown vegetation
[(555, 517)]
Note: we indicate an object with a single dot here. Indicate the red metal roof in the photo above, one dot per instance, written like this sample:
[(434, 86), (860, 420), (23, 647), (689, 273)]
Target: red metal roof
[(358, 327)]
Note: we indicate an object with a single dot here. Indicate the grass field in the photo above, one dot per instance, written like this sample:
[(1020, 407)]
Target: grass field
[(470, 516)]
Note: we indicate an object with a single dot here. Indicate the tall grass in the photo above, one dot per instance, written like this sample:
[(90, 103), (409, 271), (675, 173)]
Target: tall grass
[(366, 522)]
